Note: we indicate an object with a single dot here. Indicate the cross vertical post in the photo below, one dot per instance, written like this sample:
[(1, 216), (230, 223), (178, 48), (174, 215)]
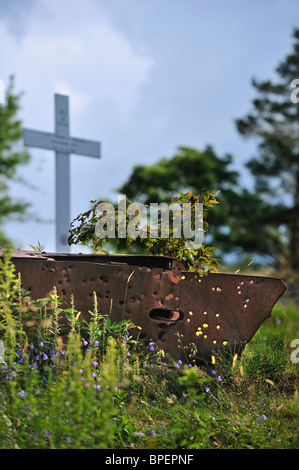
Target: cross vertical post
[(62, 170), (63, 145)]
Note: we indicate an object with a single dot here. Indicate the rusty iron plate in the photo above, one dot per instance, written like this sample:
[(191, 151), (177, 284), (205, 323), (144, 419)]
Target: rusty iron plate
[(178, 311)]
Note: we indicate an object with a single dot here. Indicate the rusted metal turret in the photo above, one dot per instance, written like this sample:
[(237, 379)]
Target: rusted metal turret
[(175, 309)]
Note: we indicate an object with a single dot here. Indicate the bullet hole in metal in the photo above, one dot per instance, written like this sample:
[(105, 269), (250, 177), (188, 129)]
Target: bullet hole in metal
[(165, 316)]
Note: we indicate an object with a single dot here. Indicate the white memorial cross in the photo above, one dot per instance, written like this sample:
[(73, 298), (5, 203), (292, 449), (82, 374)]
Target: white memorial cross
[(63, 145)]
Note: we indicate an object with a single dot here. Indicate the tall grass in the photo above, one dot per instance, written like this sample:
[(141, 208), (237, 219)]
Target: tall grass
[(92, 388)]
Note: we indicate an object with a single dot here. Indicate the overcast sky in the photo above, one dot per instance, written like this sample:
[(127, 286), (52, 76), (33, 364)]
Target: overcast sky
[(143, 77)]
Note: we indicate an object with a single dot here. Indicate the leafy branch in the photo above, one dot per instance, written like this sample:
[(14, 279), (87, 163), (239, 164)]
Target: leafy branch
[(83, 231)]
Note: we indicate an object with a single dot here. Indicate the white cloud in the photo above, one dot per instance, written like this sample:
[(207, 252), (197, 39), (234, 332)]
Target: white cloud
[(97, 64), (70, 51)]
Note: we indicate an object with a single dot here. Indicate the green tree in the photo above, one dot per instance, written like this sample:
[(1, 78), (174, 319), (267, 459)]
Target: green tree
[(12, 155), (274, 122), (234, 225), (188, 169)]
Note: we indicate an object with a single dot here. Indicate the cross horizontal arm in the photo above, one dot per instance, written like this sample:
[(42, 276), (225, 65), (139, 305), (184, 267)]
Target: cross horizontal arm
[(61, 144)]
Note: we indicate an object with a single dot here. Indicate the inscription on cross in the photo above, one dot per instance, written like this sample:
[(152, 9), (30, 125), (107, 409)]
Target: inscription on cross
[(63, 145)]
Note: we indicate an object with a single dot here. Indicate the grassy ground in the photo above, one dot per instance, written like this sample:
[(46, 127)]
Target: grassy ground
[(99, 392)]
